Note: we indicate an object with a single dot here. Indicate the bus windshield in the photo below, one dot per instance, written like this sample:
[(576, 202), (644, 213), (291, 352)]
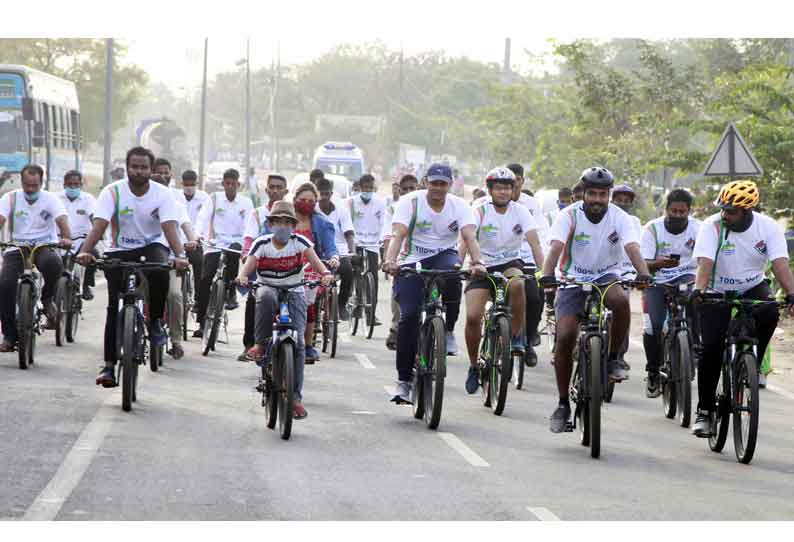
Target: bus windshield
[(12, 132)]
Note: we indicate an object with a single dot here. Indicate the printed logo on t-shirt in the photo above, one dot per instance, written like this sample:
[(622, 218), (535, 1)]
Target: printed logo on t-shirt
[(45, 215), (80, 211), (760, 246), (728, 248), (489, 230), (423, 225), (690, 244), (20, 214), (242, 213), (378, 214), (581, 239), (453, 227), (661, 246), (613, 237), (518, 230), (126, 211), (155, 214), (220, 211)]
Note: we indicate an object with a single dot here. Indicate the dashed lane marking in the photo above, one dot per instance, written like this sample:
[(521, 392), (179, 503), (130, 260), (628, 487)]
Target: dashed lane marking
[(364, 361), (543, 514), (459, 446)]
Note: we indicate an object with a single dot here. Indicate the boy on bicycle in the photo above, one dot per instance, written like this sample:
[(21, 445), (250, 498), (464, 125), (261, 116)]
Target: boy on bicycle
[(277, 259)]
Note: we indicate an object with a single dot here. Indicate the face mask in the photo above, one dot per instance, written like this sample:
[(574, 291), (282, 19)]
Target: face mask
[(189, 191), (366, 197), (72, 193), (281, 233), (676, 224), (32, 197), (741, 225), (562, 205), (304, 207)]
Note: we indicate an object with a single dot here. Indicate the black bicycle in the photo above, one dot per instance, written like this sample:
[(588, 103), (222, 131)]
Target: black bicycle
[(430, 366), (737, 389), (188, 301), (216, 307), (133, 343), (277, 381), (327, 310), (518, 365), (362, 303), (68, 300), (677, 371)]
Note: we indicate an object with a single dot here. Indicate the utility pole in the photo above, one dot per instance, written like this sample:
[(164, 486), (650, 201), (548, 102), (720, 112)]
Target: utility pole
[(248, 109), (202, 131), (274, 156), (106, 164)]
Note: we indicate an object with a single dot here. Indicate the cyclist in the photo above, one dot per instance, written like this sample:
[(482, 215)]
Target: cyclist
[(732, 250), (33, 216), (221, 221), (143, 218), (193, 198), (502, 227), (592, 234), (79, 207), (255, 225), (367, 209), (564, 197), (426, 227), (345, 237), (672, 234), (407, 185)]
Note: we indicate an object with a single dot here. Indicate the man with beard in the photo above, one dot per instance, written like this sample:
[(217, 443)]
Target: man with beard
[(144, 220), (592, 235)]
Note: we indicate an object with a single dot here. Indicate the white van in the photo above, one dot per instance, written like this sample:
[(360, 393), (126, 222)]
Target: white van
[(340, 158)]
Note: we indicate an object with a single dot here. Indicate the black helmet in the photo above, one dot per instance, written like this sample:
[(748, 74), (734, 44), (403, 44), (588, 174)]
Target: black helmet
[(597, 177)]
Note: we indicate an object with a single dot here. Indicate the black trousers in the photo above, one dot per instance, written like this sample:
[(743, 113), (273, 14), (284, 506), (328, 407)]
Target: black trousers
[(210, 267), (49, 264), (157, 282), (346, 283), (250, 321), (533, 309), (196, 259), (90, 272)]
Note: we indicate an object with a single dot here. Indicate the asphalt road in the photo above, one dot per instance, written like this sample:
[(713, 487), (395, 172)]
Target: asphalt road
[(195, 447)]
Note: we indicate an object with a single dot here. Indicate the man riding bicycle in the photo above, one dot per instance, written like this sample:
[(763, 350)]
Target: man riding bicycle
[(502, 226), (425, 229), (592, 236), (79, 207), (32, 215), (732, 250), (143, 219), (345, 237)]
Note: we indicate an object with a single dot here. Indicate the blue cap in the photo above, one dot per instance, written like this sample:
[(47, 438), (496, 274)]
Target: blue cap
[(624, 188), (439, 172)]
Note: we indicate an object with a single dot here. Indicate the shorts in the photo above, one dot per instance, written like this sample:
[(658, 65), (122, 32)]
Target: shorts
[(570, 301), (509, 269)]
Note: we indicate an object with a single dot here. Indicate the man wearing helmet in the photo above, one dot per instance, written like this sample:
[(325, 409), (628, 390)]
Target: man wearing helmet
[(502, 226), (593, 235), (732, 250)]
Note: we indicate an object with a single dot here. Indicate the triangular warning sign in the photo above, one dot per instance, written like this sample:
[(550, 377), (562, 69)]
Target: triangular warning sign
[(732, 157)]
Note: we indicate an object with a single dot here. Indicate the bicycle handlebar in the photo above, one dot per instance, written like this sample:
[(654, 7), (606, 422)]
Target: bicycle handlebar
[(719, 298), (113, 263), (571, 282), (310, 283)]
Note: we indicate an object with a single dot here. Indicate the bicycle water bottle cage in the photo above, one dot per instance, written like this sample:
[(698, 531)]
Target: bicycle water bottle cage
[(500, 295), (283, 314)]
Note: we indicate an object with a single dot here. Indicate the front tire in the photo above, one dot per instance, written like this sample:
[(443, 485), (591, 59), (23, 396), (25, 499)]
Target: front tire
[(745, 421), (501, 365), (62, 304), (596, 395), (437, 370), (25, 332), (286, 392), (212, 321), (75, 310), (129, 364), (370, 303), (684, 382)]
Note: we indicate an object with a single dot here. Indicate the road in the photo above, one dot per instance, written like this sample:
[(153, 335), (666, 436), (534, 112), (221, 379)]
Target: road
[(195, 447)]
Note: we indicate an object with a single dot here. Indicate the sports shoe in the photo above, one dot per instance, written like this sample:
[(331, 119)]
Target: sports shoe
[(198, 334), (517, 344), (402, 393), (530, 357), (616, 371), (653, 389), (452, 348), (157, 333), (702, 427), (106, 377), (298, 412), (391, 340), (176, 351), (762, 381), (344, 314), (472, 381), (560, 418), (231, 299), (88, 293), (311, 355), (244, 355)]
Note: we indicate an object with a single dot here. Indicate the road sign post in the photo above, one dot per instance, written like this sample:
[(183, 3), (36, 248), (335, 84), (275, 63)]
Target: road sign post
[(732, 157)]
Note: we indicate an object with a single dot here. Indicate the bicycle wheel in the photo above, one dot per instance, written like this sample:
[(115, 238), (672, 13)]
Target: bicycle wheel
[(74, 312), (333, 320), (270, 372), (436, 372), (286, 390), (745, 413), (684, 383), (62, 295), (212, 321), (357, 309), (129, 365), (596, 394), (582, 412), (518, 372), (721, 416), (501, 365), (187, 303), (370, 302), (25, 331), (670, 386), (323, 317)]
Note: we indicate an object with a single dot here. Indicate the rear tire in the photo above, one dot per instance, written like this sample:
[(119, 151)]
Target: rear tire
[(129, 365), (25, 331), (684, 382), (596, 395), (333, 320), (62, 304), (501, 365), (187, 303), (370, 303), (357, 309), (745, 423), (720, 426), (434, 378), (212, 321), (286, 384), (271, 399), (518, 371), (75, 311), (671, 386)]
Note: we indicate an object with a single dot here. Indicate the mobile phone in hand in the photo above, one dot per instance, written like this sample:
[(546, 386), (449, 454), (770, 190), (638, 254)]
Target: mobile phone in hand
[(676, 257)]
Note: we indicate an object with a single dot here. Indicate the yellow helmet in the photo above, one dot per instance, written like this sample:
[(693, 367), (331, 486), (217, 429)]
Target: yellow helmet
[(741, 194)]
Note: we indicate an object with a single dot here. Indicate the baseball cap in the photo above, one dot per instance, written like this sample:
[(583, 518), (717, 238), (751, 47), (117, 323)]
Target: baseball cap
[(439, 172)]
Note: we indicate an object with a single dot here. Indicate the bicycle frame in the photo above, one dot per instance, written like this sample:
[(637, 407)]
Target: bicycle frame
[(500, 306)]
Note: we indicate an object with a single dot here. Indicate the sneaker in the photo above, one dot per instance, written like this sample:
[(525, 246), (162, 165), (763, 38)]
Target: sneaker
[(256, 353), (344, 314), (617, 373), (51, 316), (402, 393), (298, 412), (530, 357), (8, 346), (702, 427), (157, 333), (106, 377), (311, 355), (560, 418), (762, 381), (231, 300), (517, 344), (176, 352), (391, 340), (653, 389), (472, 380), (452, 348), (88, 293), (198, 334), (624, 363), (244, 355)]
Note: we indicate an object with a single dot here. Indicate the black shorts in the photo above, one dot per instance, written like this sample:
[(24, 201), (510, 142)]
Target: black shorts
[(485, 284)]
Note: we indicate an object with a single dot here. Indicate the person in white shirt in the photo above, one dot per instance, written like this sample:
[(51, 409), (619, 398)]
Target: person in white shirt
[(193, 198), (368, 209), (425, 229), (502, 227), (221, 221), (732, 249), (32, 215), (592, 236), (345, 238), (667, 244), (79, 207)]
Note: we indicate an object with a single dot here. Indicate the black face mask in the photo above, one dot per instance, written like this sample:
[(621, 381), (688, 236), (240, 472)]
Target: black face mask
[(676, 224), (594, 216), (741, 225)]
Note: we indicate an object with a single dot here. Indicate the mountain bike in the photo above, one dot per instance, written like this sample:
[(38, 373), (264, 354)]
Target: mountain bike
[(362, 303), (68, 300), (186, 286), (519, 365), (677, 371), (737, 388), (216, 306), (327, 310)]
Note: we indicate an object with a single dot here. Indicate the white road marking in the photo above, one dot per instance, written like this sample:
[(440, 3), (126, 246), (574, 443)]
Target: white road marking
[(468, 454), (364, 361), (780, 391), (75, 464), (366, 412), (635, 343), (543, 514)]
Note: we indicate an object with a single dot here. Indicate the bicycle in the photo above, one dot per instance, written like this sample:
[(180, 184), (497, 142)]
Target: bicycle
[(363, 301), (29, 308), (68, 300), (738, 376), (430, 366), (186, 286), (518, 368), (216, 306), (277, 381), (327, 310), (677, 371), (589, 386), (132, 334)]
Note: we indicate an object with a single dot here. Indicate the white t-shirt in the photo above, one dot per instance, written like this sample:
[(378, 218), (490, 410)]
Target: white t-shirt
[(740, 258), (255, 222), (500, 236), (385, 233), (367, 220), (429, 232), (280, 266), (657, 241), (32, 224), (540, 225), (136, 221), (626, 266), (222, 221), (340, 218), (80, 211), (592, 250), (194, 204)]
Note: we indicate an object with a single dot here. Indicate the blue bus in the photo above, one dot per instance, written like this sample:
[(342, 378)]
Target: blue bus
[(39, 124)]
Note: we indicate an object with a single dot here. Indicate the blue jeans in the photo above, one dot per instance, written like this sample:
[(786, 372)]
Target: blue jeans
[(266, 309), (409, 293)]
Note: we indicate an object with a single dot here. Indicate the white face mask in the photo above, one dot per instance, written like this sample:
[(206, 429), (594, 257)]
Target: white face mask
[(190, 191)]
